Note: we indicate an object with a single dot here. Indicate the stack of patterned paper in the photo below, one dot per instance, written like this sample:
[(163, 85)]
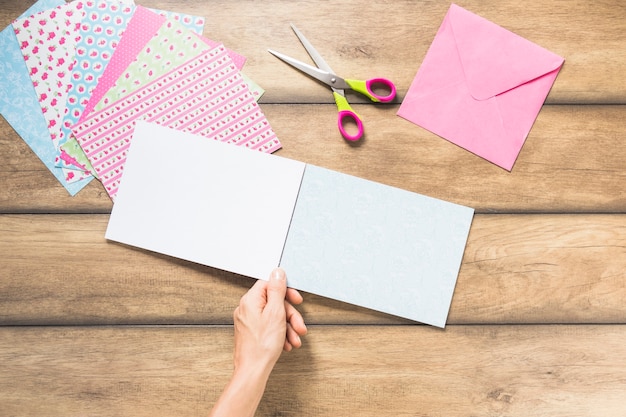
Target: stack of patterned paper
[(77, 76)]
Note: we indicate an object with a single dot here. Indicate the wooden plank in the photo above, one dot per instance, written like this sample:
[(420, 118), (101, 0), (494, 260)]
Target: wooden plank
[(517, 269), (543, 269), (515, 371), (573, 161)]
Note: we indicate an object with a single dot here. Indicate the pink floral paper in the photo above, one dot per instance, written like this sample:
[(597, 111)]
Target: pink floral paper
[(48, 43)]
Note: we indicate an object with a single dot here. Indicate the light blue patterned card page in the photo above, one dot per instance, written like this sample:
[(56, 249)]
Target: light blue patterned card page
[(375, 246), (19, 104)]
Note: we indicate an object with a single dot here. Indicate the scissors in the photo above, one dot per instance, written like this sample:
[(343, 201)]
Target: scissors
[(325, 74)]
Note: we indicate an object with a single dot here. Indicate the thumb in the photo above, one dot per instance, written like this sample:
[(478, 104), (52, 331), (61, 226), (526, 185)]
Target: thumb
[(277, 288)]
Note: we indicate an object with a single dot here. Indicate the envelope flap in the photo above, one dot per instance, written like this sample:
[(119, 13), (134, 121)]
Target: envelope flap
[(494, 59)]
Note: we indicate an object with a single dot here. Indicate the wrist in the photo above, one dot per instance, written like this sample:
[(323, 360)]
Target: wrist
[(256, 371), (243, 393)]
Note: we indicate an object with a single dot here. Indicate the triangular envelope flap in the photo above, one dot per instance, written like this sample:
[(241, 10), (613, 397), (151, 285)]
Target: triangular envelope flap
[(494, 59)]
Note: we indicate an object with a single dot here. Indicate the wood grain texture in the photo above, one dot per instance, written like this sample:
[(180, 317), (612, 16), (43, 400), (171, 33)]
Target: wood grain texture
[(513, 371), (537, 325), (573, 161), (517, 269)]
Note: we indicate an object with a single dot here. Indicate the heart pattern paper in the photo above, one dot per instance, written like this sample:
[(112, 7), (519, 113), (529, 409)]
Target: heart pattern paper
[(206, 96)]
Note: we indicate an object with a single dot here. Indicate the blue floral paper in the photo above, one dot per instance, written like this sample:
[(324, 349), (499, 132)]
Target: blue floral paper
[(19, 104)]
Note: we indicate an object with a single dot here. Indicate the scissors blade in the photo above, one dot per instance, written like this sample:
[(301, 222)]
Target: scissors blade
[(335, 82), (315, 56)]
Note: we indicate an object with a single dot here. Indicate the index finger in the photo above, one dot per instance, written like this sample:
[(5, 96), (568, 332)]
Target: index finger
[(293, 296)]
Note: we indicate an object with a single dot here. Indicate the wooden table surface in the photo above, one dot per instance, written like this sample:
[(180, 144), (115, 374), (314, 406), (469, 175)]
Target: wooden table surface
[(537, 325)]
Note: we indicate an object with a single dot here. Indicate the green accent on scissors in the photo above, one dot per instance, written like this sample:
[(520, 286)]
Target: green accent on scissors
[(342, 103), (361, 87)]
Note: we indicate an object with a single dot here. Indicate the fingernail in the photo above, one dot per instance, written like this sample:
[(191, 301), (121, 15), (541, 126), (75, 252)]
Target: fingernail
[(278, 275)]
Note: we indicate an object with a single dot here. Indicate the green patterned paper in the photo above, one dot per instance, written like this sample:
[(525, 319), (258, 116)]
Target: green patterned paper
[(172, 46)]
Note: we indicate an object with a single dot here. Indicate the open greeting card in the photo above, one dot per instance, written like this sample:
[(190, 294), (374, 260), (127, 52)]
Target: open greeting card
[(248, 212)]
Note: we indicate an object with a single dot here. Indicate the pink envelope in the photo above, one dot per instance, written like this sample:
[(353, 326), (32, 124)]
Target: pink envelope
[(481, 87)]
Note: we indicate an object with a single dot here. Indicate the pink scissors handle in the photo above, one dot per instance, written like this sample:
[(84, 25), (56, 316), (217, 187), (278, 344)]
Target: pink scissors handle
[(385, 85), (369, 87), (348, 116)]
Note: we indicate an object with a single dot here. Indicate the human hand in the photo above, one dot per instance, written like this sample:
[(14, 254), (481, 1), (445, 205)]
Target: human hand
[(266, 322)]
